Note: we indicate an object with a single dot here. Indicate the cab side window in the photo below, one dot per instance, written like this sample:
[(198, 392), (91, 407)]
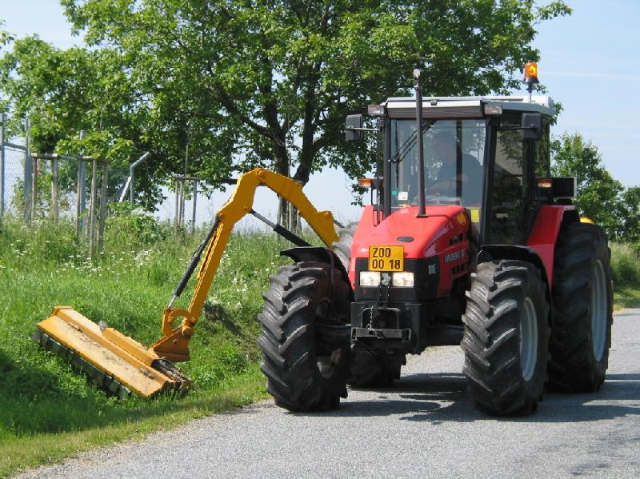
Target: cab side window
[(508, 193), (543, 152)]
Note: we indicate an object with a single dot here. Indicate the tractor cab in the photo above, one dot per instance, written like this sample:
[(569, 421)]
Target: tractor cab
[(486, 154)]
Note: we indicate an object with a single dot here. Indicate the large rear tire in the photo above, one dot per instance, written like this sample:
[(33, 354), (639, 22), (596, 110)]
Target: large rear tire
[(305, 369), (342, 247), (582, 310), (506, 337), (370, 367)]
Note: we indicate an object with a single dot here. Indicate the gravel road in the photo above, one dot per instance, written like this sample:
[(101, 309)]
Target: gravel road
[(425, 426)]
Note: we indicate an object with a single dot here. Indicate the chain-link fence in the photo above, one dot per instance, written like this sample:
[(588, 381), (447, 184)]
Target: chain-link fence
[(83, 197), (13, 181)]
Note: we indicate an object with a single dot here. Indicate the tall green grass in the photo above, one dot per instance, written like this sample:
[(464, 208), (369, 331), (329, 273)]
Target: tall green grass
[(46, 410), (625, 262)]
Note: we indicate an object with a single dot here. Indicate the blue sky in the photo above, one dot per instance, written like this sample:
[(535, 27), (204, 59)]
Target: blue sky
[(589, 63)]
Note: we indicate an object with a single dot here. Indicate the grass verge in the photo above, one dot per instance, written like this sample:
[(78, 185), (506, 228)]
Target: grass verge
[(626, 297), (22, 451), (48, 412)]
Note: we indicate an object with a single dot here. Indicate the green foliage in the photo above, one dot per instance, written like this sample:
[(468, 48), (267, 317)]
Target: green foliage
[(43, 194), (600, 197), (231, 85), (128, 220), (625, 262), (64, 92), (630, 217)]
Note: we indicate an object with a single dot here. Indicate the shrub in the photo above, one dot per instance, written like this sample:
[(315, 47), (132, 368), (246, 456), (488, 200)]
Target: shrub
[(625, 263), (134, 225)]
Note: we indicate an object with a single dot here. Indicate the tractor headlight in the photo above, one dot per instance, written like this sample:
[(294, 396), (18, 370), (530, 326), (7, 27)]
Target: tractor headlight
[(369, 279), (402, 280)]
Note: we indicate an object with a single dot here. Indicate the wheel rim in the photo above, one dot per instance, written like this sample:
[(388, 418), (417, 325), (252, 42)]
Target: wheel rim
[(599, 307), (528, 339)]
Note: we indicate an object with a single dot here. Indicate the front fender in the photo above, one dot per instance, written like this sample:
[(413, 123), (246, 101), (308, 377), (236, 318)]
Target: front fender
[(493, 252)]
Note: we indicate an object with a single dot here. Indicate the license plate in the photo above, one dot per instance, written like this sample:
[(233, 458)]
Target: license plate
[(386, 258)]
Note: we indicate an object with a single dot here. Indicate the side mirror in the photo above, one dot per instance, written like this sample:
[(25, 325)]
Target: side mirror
[(353, 126), (531, 126)]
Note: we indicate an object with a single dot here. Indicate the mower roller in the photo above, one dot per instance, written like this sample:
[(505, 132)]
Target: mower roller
[(122, 365)]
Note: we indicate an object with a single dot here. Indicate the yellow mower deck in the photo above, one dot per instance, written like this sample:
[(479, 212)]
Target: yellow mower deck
[(118, 363)]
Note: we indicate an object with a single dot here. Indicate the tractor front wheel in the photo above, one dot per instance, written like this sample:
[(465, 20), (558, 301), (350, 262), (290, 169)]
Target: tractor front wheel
[(305, 365), (506, 337)]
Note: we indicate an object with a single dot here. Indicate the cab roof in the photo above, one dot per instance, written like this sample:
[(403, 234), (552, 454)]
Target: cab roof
[(466, 107)]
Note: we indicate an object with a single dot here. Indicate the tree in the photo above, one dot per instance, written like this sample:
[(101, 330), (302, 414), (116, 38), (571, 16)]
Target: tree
[(63, 92), (630, 220), (221, 86), (270, 81), (599, 197)]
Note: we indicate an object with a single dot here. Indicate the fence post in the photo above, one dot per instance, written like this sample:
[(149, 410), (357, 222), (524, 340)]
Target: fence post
[(180, 193), (175, 216), (179, 204), (2, 164), (80, 200), (34, 188), (183, 196), (54, 189), (195, 200), (92, 207), (28, 173), (103, 205)]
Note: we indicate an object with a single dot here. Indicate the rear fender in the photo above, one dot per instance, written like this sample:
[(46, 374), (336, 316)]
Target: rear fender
[(545, 231), (322, 255)]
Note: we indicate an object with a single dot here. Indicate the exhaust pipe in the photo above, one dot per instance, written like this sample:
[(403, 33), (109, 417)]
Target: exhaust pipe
[(421, 183)]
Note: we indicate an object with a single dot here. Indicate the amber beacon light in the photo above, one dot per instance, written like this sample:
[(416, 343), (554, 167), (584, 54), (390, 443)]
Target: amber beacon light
[(531, 73)]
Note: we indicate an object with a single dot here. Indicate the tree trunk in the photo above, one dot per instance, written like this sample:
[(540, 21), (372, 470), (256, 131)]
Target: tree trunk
[(282, 167)]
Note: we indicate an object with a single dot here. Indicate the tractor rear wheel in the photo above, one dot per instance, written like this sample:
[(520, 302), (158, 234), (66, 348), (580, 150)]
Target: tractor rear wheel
[(506, 337), (342, 247), (582, 310), (306, 368), (369, 367)]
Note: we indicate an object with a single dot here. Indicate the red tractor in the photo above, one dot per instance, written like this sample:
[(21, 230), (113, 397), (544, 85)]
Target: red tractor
[(468, 240)]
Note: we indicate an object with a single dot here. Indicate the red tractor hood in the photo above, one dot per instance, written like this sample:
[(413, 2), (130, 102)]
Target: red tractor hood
[(420, 237), (441, 238)]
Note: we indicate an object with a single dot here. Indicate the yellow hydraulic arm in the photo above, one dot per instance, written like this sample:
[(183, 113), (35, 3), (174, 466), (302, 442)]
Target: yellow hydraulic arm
[(174, 344), (122, 365)]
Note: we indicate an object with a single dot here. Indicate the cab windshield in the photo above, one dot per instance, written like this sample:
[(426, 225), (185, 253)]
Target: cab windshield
[(453, 158)]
